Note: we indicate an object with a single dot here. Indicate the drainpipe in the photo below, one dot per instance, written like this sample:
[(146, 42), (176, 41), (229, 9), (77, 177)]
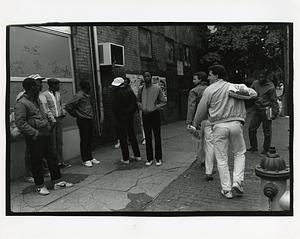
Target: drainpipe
[(96, 66)]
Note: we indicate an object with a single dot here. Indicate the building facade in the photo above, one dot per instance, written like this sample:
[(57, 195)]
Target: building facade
[(170, 52)]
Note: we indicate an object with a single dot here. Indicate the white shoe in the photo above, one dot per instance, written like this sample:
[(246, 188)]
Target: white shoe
[(29, 179), (43, 190), (62, 184), (136, 158), (149, 163), (87, 163), (117, 145), (95, 161), (227, 194), (124, 161), (143, 142), (158, 163)]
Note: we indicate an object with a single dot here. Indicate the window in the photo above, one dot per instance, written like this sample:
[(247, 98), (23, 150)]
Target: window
[(169, 50), (145, 43)]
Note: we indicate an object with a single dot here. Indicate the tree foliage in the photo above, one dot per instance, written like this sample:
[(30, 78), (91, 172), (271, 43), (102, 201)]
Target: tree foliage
[(243, 49)]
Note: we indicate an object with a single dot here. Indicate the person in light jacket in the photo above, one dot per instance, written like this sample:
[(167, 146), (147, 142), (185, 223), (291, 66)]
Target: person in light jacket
[(227, 116)]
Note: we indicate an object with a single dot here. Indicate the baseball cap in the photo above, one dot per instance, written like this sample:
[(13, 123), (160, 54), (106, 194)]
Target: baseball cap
[(36, 77), (117, 81)]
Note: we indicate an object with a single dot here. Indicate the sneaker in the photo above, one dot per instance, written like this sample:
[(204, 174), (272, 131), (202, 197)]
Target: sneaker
[(143, 142), (117, 145), (158, 163), (42, 190), (227, 194), (252, 149), (62, 184), (238, 189), (149, 163), (95, 161), (87, 163), (29, 179), (64, 165), (209, 177), (136, 158), (124, 161)]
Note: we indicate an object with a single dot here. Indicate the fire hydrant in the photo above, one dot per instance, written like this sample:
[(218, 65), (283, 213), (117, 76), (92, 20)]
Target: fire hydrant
[(274, 174)]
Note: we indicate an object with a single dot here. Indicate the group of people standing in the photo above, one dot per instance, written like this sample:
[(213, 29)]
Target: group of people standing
[(220, 117), (150, 101)]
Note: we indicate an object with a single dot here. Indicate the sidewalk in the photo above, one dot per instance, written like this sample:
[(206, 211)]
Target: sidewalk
[(177, 185)]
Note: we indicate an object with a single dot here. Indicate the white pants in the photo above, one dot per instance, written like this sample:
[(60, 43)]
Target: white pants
[(208, 146), (223, 135)]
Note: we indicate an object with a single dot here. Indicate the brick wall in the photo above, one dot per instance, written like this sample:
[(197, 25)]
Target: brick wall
[(128, 36)]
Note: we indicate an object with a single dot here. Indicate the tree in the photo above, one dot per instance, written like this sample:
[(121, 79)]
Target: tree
[(244, 49)]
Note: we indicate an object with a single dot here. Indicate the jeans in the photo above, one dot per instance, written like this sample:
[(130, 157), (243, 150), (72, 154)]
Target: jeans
[(57, 140), (86, 134), (151, 122), (259, 116), (208, 148), (124, 127), (39, 148), (225, 135)]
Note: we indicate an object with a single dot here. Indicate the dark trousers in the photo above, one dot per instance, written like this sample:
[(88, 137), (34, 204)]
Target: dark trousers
[(259, 116), (86, 134), (125, 128), (151, 122), (39, 149), (56, 137)]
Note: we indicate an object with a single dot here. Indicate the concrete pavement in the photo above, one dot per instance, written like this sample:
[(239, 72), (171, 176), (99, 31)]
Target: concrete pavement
[(177, 185)]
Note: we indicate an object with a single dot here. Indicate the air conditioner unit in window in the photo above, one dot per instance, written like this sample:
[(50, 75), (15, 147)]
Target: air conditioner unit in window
[(110, 53)]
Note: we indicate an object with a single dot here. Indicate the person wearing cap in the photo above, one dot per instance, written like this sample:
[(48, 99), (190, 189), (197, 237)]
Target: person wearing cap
[(80, 107), (151, 101), (28, 174), (32, 121), (52, 101), (124, 106)]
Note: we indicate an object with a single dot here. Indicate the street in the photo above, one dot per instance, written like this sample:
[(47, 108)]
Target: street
[(177, 185)]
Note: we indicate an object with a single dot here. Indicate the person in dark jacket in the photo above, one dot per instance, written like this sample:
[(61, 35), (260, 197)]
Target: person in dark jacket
[(80, 107), (32, 121), (124, 106), (265, 102)]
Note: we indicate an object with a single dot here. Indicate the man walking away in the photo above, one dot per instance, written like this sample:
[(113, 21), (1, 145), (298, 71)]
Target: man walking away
[(80, 107), (265, 110), (52, 100), (227, 115), (151, 101), (124, 106), (33, 123)]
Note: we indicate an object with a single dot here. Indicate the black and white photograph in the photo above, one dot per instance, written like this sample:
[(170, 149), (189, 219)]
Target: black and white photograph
[(84, 139), (150, 120)]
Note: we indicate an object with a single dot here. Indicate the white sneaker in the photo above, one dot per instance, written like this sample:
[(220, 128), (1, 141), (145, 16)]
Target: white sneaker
[(227, 194), (143, 142), (136, 158), (95, 161), (117, 145), (149, 163), (29, 179), (158, 163), (62, 184), (124, 161), (42, 191), (87, 163)]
